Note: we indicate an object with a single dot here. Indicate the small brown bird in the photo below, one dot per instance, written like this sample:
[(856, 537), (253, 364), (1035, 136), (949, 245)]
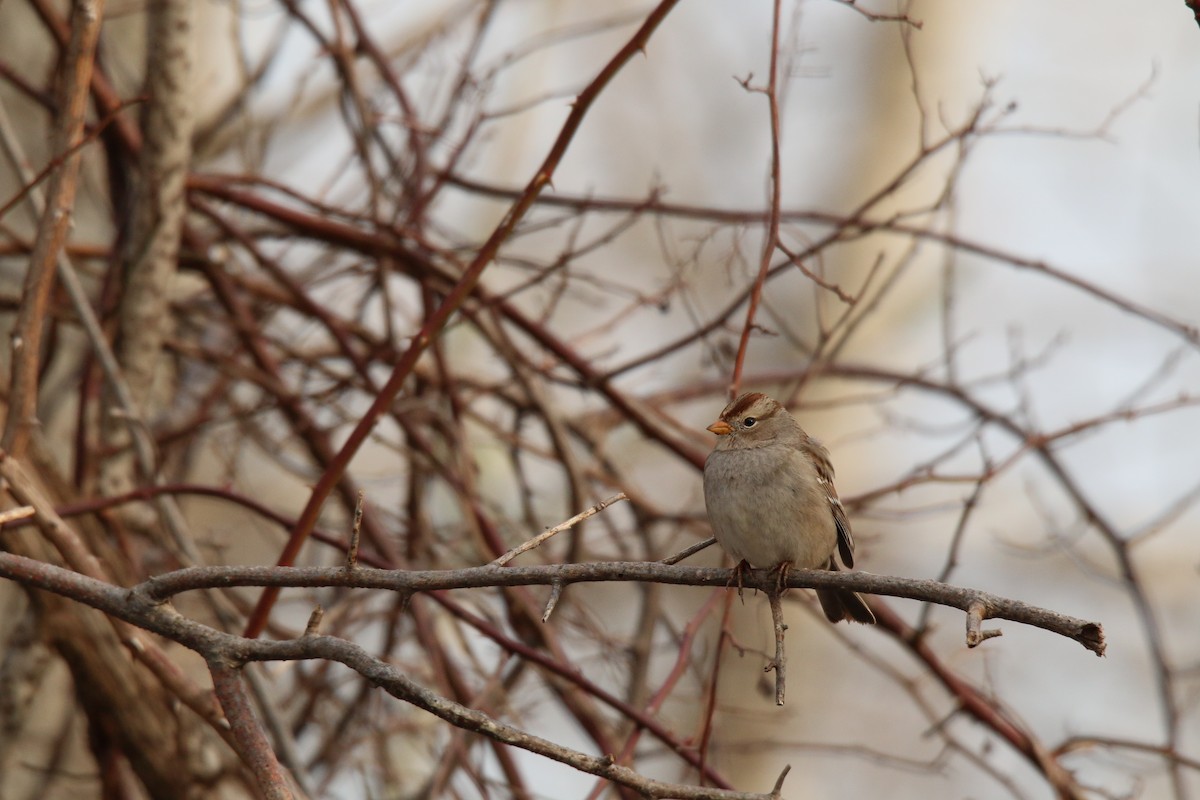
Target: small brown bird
[(769, 490)]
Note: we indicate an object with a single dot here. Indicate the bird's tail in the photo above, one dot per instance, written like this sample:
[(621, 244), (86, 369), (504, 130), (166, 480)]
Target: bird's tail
[(840, 604)]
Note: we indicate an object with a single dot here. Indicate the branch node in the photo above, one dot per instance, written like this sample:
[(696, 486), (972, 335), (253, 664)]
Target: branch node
[(977, 612), (1091, 636)]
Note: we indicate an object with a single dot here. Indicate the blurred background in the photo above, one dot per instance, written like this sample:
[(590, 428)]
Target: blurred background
[(983, 298)]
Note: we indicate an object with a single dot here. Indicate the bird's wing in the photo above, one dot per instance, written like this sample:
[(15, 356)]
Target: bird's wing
[(820, 460)]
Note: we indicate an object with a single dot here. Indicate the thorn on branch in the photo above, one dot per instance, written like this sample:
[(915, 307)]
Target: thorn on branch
[(745, 84), (976, 614), (556, 590), (355, 533), (314, 621), (778, 790)]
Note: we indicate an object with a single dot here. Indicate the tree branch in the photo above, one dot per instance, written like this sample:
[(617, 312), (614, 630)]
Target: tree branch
[(971, 601), (140, 607)]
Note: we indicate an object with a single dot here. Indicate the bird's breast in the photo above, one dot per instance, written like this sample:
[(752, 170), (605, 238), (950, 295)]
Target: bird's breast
[(765, 510)]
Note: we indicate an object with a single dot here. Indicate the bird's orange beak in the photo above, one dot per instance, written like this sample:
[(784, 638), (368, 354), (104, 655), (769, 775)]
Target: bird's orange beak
[(720, 428)]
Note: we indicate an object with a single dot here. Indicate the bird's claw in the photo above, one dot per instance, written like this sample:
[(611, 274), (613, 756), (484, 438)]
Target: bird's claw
[(739, 576), (782, 576)]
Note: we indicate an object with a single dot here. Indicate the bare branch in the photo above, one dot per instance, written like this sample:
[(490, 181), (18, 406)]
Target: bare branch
[(252, 742), (559, 528), (86, 17), (136, 607), (987, 606)]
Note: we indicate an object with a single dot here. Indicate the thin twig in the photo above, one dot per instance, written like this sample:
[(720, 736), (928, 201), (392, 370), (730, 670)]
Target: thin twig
[(77, 66), (689, 551), (355, 533), (559, 528), (454, 299), (183, 546), (16, 514), (253, 747), (779, 663), (771, 234)]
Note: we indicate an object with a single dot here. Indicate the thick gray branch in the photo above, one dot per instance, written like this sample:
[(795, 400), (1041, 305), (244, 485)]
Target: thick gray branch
[(137, 607), (987, 606)]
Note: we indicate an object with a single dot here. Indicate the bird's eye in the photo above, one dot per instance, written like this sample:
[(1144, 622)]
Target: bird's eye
[(749, 422)]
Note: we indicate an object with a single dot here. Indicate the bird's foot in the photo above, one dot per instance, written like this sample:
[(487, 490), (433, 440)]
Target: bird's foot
[(781, 577), (739, 576)]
